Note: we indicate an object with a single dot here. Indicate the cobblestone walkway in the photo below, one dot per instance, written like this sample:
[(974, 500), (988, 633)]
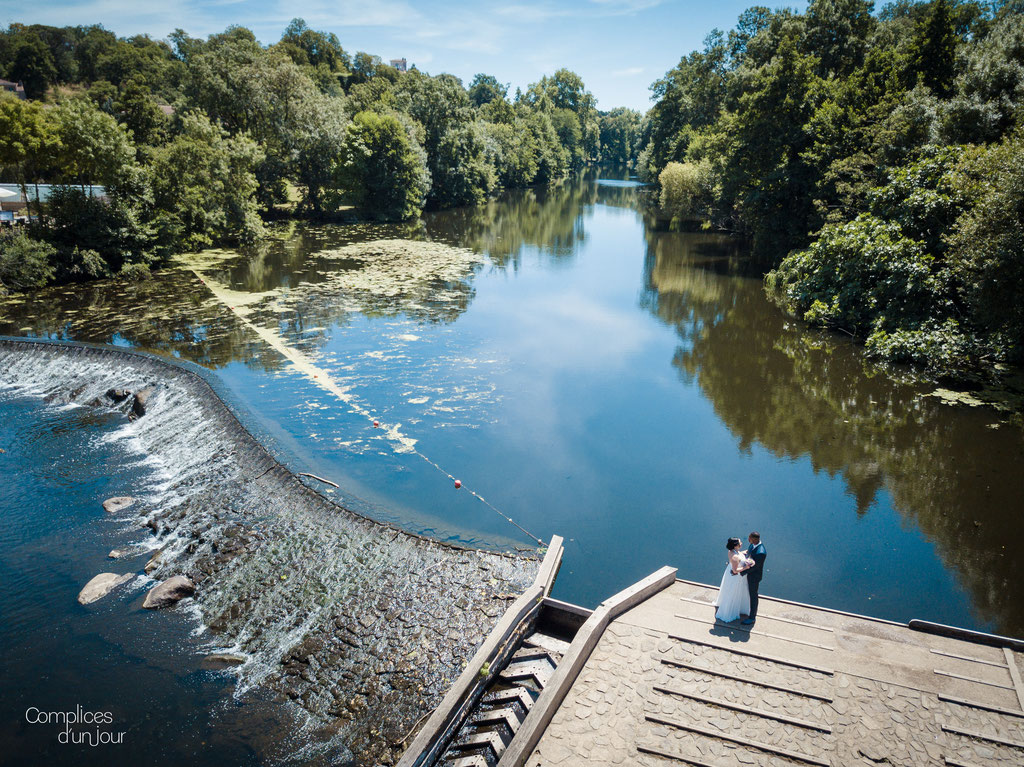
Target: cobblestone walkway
[(667, 685)]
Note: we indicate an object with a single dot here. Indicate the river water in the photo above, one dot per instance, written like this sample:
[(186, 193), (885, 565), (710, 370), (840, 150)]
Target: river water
[(589, 376)]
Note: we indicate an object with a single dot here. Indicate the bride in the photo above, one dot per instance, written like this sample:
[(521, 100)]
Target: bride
[(733, 596)]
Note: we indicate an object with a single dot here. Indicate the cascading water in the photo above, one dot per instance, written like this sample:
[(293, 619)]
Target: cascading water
[(362, 625)]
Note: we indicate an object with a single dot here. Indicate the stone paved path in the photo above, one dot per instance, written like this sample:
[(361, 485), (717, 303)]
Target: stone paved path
[(667, 685)]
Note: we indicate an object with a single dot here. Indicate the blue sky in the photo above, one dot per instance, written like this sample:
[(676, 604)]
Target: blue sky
[(619, 47)]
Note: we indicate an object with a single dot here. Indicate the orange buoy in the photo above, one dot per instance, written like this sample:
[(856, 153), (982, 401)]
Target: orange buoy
[(458, 484), (376, 424)]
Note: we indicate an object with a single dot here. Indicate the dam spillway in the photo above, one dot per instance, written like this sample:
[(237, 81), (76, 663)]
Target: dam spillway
[(361, 625)]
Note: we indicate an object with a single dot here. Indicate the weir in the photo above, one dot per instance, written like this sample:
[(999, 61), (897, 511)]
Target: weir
[(362, 625)]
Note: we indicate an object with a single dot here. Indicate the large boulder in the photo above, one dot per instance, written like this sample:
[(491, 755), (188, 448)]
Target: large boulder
[(168, 593), (102, 585), (141, 401), (117, 503)]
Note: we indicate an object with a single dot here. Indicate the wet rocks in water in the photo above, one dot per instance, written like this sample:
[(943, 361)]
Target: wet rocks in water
[(118, 395), (117, 503), (154, 561), (169, 593), (370, 626), (219, 660), (102, 585), (127, 551), (141, 401)]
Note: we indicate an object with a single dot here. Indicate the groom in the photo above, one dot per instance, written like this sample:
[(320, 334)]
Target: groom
[(755, 551)]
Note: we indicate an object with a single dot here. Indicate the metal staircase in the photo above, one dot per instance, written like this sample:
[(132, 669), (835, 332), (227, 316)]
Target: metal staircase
[(504, 705)]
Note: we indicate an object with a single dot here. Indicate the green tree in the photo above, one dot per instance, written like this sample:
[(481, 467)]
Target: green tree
[(837, 33), (138, 112), (751, 22), (485, 88), (936, 58), (570, 136), (690, 97), (381, 169), (565, 90), (462, 173), (204, 186), (517, 157), (32, 64), (25, 262), (30, 142), (686, 190), (987, 246), (888, 277), (91, 43), (764, 171), (620, 132), (552, 157), (94, 148), (318, 139), (247, 89), (319, 53), (990, 86), (94, 237)]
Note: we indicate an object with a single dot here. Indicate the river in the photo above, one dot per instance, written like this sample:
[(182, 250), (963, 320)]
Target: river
[(584, 374)]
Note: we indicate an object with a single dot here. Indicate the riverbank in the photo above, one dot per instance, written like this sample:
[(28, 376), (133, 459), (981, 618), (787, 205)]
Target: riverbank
[(360, 624)]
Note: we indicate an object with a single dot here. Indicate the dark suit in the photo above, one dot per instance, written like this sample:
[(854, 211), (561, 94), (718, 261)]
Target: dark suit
[(758, 553)]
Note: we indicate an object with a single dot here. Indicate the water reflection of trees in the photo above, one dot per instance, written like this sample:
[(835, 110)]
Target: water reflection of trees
[(803, 394), (545, 217), (172, 315), (426, 282)]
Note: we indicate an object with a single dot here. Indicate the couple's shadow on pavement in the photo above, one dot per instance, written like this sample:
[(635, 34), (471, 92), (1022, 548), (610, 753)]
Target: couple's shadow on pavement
[(734, 632)]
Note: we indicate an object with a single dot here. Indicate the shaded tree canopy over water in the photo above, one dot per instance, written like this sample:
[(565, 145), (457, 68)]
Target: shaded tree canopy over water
[(302, 121), (820, 135)]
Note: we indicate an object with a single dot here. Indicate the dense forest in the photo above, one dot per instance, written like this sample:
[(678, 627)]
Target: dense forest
[(197, 142), (876, 160)]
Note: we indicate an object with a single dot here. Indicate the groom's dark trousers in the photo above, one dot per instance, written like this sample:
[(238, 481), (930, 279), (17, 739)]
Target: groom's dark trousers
[(753, 575)]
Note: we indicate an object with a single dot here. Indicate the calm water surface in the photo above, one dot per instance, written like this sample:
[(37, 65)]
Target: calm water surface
[(589, 376)]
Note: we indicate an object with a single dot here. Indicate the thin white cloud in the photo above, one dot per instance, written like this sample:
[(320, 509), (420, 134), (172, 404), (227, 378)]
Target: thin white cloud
[(335, 14), (124, 17), (625, 7), (471, 30), (531, 14), (628, 72)]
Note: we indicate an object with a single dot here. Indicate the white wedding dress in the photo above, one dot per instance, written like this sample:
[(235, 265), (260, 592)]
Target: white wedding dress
[(733, 596)]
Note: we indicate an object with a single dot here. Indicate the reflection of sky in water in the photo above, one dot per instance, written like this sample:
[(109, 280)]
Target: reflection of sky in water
[(618, 386), (623, 183)]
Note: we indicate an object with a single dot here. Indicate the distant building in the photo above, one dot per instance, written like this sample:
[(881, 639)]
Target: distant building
[(19, 90), (12, 197), (400, 64)]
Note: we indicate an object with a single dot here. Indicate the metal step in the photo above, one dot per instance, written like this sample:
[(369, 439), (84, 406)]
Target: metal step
[(548, 642), (476, 760), (505, 716), (515, 693), (484, 740), (533, 653), (539, 671)]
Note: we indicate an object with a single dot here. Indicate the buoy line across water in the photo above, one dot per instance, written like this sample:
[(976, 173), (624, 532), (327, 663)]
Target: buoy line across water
[(322, 378)]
